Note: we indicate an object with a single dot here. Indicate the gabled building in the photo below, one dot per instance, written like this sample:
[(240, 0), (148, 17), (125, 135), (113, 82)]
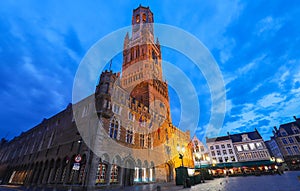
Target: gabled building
[(221, 150), (200, 153), (249, 146), (287, 138)]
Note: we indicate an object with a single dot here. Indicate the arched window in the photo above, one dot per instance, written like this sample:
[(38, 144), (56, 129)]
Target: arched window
[(144, 17), (114, 128), (114, 174), (101, 173)]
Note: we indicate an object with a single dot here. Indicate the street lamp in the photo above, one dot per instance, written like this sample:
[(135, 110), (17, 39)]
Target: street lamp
[(181, 151)]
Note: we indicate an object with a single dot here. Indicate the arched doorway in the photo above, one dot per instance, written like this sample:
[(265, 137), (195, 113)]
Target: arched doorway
[(128, 175), (169, 171)]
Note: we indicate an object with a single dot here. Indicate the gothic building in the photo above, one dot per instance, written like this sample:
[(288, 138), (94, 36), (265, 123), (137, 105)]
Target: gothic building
[(119, 136)]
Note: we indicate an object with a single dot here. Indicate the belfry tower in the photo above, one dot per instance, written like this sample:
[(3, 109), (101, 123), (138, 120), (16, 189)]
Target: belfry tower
[(142, 67)]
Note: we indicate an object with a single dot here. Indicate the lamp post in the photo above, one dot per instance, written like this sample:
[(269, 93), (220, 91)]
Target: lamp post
[(181, 151)]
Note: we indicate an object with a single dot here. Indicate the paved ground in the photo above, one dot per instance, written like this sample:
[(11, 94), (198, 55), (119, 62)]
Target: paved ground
[(289, 181)]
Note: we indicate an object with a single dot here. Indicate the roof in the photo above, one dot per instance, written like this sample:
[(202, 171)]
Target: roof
[(254, 135), (288, 127), (216, 139)]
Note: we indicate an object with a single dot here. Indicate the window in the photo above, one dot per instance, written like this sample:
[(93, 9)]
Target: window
[(101, 173), (229, 145), (213, 153), (114, 174), (291, 140), (284, 141), (296, 149), (283, 133), (114, 128), (129, 135), (226, 159), (245, 147), (218, 152), (130, 116), (201, 148), (197, 149), (137, 18), (212, 147), (289, 150), (223, 146), (217, 146), (220, 159), (232, 158), (230, 151), (116, 109), (149, 143), (144, 17), (252, 146), (259, 145), (239, 148), (224, 152), (142, 140)]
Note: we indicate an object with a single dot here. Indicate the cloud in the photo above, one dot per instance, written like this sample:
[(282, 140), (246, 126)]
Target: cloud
[(271, 100), (269, 26)]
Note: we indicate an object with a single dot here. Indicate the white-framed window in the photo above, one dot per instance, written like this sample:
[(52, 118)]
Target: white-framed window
[(245, 147), (239, 148), (130, 116), (289, 150), (252, 146), (116, 109), (142, 140), (296, 149), (149, 141), (129, 135), (259, 145), (291, 140), (114, 128)]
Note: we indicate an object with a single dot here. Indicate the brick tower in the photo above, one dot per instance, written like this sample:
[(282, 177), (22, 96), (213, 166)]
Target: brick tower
[(142, 67)]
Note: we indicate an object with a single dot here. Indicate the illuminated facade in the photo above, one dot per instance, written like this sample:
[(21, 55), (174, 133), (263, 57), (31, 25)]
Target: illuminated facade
[(127, 135)]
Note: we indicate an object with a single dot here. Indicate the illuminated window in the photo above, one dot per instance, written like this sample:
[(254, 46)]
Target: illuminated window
[(114, 174), (259, 145), (239, 148), (101, 173), (246, 148), (144, 17), (138, 18), (252, 146)]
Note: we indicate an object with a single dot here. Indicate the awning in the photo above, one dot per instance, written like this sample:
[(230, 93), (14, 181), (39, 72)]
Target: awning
[(242, 164)]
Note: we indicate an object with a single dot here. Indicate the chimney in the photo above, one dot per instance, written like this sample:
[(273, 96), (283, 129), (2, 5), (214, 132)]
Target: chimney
[(275, 128), (295, 118)]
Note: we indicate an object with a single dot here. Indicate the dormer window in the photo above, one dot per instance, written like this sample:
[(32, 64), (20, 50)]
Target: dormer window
[(283, 132), (295, 129), (245, 137)]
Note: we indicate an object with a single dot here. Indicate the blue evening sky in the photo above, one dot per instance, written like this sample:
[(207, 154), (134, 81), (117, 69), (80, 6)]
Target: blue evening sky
[(256, 45)]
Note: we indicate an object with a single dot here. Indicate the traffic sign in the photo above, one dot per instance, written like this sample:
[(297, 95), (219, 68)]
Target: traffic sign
[(78, 158), (76, 166)]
